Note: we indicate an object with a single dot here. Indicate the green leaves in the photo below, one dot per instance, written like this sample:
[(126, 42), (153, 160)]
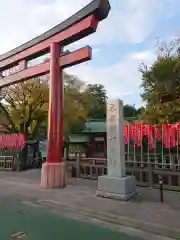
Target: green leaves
[(24, 106), (24, 103), (95, 99), (161, 86)]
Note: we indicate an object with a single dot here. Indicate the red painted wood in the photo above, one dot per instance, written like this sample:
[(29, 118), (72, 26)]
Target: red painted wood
[(76, 57), (84, 27), (25, 74), (55, 134)]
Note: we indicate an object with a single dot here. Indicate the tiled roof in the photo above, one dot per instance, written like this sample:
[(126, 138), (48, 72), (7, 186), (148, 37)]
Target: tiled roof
[(79, 138), (91, 126), (95, 127), (98, 126)]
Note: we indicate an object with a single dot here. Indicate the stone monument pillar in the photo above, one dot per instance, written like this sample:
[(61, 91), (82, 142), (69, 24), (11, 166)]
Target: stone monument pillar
[(116, 184)]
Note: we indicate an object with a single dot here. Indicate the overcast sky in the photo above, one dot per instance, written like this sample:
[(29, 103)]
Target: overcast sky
[(125, 39)]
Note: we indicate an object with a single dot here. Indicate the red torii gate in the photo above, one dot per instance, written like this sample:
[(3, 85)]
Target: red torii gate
[(82, 24)]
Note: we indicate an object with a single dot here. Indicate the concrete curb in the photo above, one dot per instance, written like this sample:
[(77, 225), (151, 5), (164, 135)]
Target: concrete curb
[(113, 219)]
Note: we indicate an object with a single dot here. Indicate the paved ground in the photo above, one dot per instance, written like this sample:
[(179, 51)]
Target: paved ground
[(28, 222), (143, 217)]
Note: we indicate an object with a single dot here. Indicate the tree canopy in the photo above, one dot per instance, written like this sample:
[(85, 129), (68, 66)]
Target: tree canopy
[(95, 99), (130, 111), (24, 106), (161, 84)]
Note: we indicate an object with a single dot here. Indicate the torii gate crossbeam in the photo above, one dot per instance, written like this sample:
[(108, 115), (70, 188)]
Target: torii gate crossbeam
[(15, 62)]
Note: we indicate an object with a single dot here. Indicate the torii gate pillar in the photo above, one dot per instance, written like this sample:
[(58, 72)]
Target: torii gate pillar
[(53, 170)]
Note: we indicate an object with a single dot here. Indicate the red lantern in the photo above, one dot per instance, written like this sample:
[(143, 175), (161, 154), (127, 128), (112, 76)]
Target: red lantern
[(132, 132), (166, 140), (157, 133), (150, 137), (172, 136), (178, 133), (138, 134), (126, 131)]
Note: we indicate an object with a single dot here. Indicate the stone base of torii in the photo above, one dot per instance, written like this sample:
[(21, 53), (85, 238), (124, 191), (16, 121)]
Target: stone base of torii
[(53, 175)]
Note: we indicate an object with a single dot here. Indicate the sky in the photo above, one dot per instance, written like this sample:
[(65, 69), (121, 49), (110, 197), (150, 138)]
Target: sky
[(122, 42)]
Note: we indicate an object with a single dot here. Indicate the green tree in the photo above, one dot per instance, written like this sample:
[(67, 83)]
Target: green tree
[(25, 106), (130, 111), (95, 98), (75, 111), (161, 85)]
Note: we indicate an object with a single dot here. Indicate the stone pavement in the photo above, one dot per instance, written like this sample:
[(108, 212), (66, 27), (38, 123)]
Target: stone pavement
[(145, 212)]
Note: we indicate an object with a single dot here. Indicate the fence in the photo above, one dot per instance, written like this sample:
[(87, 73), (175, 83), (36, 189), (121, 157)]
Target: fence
[(162, 142), (150, 151), (146, 175)]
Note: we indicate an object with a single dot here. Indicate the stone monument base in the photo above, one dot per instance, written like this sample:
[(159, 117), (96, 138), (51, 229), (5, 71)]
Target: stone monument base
[(53, 175), (123, 188)]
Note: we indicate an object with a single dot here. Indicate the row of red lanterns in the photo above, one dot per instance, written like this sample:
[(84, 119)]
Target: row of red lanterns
[(12, 141), (168, 135)]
